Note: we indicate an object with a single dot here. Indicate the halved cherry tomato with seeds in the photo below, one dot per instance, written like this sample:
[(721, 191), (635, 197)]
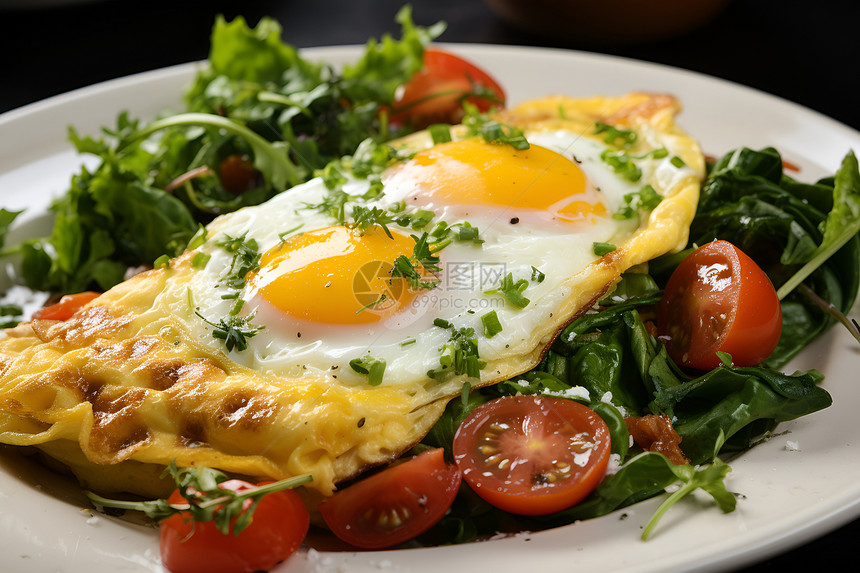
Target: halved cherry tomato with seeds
[(66, 307), (718, 299), (532, 455), (279, 526), (434, 94), (394, 505)]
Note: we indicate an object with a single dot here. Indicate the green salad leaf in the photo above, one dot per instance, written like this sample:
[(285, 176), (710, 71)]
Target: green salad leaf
[(259, 100)]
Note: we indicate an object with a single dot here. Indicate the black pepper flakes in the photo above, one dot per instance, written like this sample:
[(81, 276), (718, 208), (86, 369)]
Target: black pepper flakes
[(515, 220)]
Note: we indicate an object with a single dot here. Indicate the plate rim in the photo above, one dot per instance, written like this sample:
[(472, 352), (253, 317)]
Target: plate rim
[(815, 524)]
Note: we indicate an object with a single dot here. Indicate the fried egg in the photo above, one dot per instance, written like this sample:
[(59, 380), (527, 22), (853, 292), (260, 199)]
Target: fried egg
[(306, 336)]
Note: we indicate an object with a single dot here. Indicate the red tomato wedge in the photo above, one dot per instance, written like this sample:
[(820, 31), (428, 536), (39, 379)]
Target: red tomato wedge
[(532, 455), (67, 306), (718, 299), (279, 526), (394, 505), (434, 94)]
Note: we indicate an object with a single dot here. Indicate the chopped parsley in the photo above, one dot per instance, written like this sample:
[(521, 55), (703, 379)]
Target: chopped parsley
[(367, 217), (422, 255), (234, 330), (246, 259)]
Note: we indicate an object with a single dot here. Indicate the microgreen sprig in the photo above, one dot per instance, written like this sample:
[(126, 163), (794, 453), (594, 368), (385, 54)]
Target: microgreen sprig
[(204, 499), (234, 330)]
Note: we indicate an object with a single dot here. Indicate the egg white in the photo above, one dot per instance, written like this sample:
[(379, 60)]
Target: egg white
[(409, 343)]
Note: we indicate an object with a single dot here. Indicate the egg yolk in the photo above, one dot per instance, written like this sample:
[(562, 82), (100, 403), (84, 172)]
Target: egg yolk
[(336, 275), (474, 172)]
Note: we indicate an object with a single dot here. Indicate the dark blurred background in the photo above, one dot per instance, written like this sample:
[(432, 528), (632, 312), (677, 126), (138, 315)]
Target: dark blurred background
[(807, 52)]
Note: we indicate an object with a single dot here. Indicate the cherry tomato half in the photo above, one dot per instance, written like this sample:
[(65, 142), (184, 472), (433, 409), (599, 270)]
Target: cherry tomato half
[(434, 94), (394, 505), (532, 455), (278, 528), (718, 299), (66, 307)]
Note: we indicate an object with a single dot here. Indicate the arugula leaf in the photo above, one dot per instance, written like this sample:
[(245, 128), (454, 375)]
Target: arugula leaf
[(270, 157)]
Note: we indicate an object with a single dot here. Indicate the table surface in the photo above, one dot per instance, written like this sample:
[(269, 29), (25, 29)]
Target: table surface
[(808, 55)]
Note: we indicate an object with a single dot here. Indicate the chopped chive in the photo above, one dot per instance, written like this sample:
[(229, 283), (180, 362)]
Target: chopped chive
[(677, 162), (162, 261), (537, 275), (374, 303), (236, 308), (199, 238), (491, 323), (408, 342), (512, 291), (373, 368), (601, 249), (200, 259), (283, 236), (440, 132), (612, 134)]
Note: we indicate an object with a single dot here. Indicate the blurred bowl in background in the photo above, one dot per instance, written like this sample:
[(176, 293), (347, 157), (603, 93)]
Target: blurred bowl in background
[(607, 21)]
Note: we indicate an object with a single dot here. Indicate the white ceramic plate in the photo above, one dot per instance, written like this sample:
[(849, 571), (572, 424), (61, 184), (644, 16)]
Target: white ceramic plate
[(801, 484)]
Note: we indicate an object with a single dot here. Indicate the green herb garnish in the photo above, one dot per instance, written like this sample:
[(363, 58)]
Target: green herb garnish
[(615, 136), (601, 249), (204, 500), (491, 323), (234, 330), (459, 355), (491, 130), (373, 368), (512, 291), (246, 259)]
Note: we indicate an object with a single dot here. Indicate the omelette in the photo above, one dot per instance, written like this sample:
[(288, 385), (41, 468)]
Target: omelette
[(324, 331)]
